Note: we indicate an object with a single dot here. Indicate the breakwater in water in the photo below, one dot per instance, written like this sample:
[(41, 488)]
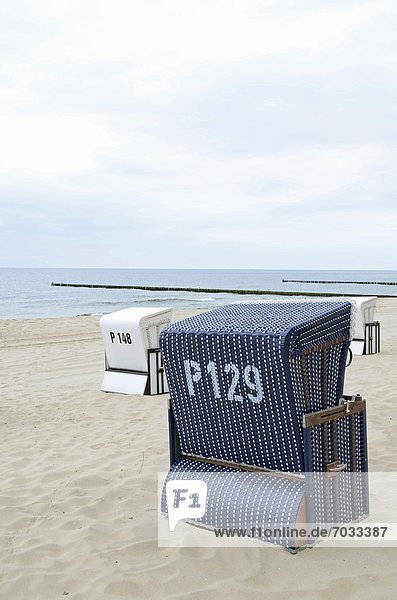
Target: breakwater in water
[(346, 282), (155, 288)]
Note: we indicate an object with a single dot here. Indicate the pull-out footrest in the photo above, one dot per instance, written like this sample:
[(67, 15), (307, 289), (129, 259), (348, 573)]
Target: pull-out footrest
[(259, 504)]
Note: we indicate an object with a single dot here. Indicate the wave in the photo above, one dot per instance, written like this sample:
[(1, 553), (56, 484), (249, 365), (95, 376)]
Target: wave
[(176, 299)]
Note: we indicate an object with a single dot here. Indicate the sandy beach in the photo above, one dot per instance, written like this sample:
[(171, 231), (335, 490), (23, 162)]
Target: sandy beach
[(79, 468)]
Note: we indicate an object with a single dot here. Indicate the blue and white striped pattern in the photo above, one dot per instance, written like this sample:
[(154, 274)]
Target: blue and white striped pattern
[(236, 381)]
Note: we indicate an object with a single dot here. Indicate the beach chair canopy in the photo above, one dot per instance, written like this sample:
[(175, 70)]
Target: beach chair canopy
[(365, 330), (241, 378)]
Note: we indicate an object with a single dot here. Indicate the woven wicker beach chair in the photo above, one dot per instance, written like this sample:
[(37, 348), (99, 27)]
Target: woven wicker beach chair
[(257, 411), (132, 357)]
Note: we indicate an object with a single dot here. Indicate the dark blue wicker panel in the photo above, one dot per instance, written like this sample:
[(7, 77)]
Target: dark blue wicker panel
[(241, 500), (300, 325), (325, 371), (337, 499), (233, 427), (257, 419), (342, 440), (342, 497)]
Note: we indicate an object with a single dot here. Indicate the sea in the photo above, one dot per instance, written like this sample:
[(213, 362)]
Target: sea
[(28, 293)]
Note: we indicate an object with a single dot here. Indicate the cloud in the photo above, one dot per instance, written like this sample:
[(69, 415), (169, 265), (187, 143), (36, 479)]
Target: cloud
[(197, 134)]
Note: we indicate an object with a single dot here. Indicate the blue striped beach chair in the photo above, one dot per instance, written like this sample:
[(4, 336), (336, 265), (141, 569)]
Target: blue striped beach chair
[(257, 411)]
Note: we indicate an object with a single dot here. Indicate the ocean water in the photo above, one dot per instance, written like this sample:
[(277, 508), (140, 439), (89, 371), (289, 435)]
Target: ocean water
[(27, 293)]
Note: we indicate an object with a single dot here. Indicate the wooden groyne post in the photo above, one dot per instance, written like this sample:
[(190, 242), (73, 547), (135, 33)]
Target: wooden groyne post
[(153, 288), (328, 281)]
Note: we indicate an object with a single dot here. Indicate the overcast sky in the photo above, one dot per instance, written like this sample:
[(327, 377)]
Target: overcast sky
[(198, 133)]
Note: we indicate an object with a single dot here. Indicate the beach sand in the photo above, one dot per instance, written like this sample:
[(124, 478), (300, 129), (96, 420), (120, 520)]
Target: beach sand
[(78, 495)]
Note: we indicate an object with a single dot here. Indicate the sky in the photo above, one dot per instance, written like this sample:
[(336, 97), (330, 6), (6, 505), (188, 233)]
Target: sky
[(198, 134)]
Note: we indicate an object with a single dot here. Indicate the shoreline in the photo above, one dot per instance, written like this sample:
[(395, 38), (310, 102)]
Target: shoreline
[(178, 309)]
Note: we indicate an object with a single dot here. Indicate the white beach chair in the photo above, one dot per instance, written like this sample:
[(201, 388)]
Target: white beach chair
[(366, 338), (133, 363)]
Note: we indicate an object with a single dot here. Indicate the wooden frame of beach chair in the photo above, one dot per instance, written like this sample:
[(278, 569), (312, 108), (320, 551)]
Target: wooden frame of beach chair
[(372, 338)]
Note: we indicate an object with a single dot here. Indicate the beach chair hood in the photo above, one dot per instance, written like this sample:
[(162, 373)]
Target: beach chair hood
[(242, 376)]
